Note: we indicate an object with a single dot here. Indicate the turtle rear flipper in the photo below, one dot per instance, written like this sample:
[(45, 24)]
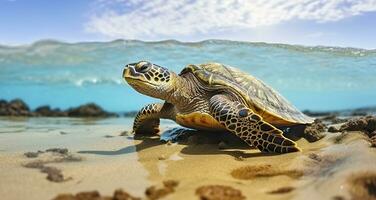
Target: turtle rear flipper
[(250, 127)]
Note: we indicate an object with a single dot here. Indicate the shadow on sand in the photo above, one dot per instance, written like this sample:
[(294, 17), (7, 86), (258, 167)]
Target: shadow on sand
[(196, 143)]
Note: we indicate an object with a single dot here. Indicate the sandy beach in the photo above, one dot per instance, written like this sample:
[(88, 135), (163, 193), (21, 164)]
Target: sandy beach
[(339, 166)]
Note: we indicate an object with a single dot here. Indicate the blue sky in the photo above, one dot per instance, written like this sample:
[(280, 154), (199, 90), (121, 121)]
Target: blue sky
[(307, 22)]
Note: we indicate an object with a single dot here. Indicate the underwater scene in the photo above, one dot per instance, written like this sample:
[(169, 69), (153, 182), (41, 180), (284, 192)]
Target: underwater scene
[(65, 75)]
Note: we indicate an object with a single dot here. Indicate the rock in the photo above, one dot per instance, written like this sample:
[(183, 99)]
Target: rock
[(314, 131), (59, 155), (373, 141), (124, 133), (31, 154), (53, 174), (219, 192), (15, 107), (46, 111), (122, 195), (239, 158), (373, 134), (333, 119), (89, 110), (162, 157), (365, 124), (95, 195), (333, 129), (318, 113), (170, 183), (282, 190), (63, 151), (154, 193)]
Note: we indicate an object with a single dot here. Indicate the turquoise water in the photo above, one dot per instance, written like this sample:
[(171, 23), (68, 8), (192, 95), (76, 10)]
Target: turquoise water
[(64, 75)]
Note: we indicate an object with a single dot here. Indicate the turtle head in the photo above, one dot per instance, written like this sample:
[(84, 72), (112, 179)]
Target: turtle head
[(149, 79)]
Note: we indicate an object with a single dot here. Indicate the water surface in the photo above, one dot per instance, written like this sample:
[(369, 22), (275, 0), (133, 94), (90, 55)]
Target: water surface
[(64, 75)]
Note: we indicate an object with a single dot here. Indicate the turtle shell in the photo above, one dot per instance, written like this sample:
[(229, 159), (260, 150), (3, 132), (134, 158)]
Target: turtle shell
[(259, 97)]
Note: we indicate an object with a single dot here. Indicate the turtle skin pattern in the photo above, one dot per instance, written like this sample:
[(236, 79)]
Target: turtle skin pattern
[(250, 127), (147, 120)]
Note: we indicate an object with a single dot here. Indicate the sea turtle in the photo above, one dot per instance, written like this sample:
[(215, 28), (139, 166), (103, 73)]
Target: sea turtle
[(214, 97)]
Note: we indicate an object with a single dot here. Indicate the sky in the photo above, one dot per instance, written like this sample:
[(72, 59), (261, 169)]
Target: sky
[(345, 23)]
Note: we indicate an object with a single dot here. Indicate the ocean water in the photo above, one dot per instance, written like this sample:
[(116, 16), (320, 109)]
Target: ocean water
[(64, 75)]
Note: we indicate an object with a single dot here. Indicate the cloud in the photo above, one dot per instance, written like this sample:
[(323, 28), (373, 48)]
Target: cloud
[(143, 19)]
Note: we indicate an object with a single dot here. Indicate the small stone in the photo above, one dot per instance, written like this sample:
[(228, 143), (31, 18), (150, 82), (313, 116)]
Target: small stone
[(53, 174), (124, 133), (372, 134), (162, 157), (373, 141), (35, 164), (219, 192), (153, 193), (88, 195), (122, 195), (240, 158), (282, 190), (65, 197), (31, 154), (58, 150), (315, 157), (170, 183)]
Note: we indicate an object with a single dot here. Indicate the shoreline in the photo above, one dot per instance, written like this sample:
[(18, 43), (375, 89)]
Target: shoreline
[(18, 108)]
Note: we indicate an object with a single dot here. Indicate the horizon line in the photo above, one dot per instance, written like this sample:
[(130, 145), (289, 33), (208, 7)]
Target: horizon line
[(51, 40)]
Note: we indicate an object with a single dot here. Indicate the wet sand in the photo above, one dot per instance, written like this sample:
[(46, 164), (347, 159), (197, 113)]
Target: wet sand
[(339, 166)]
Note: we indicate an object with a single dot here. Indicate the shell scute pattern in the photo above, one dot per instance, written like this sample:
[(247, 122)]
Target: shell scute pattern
[(260, 97)]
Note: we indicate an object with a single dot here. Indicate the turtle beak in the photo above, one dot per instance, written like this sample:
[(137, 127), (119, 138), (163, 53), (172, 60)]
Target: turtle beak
[(130, 72)]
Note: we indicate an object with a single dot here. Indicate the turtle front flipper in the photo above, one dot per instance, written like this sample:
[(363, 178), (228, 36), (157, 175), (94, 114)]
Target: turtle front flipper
[(148, 118), (249, 126)]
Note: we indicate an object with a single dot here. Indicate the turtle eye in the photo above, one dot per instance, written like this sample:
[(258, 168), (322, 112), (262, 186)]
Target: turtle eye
[(144, 68)]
